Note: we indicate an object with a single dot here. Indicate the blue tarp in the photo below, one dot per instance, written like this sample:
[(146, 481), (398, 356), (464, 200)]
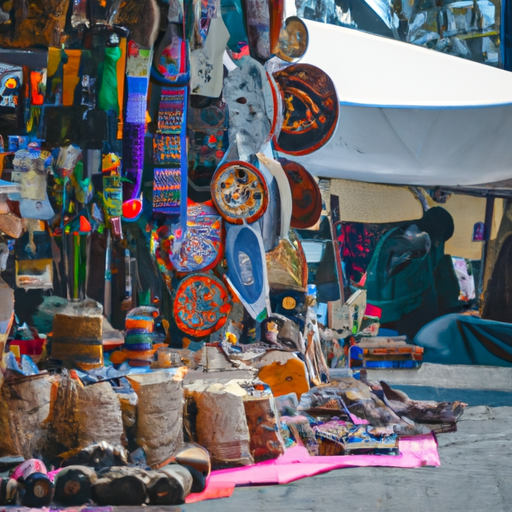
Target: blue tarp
[(461, 339)]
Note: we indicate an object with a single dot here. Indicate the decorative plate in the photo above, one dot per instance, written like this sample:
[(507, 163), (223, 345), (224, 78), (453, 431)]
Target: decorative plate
[(311, 109), (202, 305), (293, 40), (239, 192), (307, 199), (201, 248)]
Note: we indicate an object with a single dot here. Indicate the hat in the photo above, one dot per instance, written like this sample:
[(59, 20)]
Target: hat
[(438, 223)]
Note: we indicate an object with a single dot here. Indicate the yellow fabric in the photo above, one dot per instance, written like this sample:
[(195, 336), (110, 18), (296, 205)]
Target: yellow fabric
[(53, 60), (71, 76)]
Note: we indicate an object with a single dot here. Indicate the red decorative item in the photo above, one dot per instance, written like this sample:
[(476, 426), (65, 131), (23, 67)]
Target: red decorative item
[(202, 305), (307, 199), (85, 225), (276, 8), (132, 210)]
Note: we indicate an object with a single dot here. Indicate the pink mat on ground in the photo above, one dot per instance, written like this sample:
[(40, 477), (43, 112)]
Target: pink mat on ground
[(296, 463), (213, 491)]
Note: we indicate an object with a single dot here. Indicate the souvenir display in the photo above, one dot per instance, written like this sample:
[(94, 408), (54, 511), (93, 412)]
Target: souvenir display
[(263, 21), (31, 167), (138, 349), (170, 60), (269, 222), (311, 109), (11, 79), (142, 19), (206, 69), (169, 149), (135, 116), (285, 196), (253, 108), (208, 123), (153, 236), (287, 265)]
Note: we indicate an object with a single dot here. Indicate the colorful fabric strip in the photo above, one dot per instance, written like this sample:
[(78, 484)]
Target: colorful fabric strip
[(169, 149), (167, 191)]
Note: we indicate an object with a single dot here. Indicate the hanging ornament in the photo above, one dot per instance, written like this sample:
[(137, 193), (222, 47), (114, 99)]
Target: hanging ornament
[(311, 109), (239, 192), (202, 305)]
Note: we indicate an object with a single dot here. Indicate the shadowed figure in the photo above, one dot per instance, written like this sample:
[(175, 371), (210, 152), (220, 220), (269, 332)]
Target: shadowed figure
[(409, 277)]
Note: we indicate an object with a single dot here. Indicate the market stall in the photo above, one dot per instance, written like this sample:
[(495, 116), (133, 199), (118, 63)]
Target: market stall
[(173, 312)]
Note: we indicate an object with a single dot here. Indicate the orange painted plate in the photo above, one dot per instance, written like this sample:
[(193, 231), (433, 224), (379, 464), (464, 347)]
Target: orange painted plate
[(311, 109), (307, 199), (202, 305)]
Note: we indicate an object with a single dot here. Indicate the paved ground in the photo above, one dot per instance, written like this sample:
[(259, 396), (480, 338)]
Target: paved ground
[(475, 472)]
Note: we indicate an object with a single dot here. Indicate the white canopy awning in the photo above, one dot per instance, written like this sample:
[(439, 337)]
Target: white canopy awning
[(410, 115)]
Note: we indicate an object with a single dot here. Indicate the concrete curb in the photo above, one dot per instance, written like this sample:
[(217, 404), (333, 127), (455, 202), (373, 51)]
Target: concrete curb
[(449, 376)]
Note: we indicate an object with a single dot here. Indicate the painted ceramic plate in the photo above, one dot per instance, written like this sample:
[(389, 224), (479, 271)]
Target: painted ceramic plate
[(293, 40), (201, 248), (254, 106), (202, 305), (311, 109), (239, 192), (306, 196)]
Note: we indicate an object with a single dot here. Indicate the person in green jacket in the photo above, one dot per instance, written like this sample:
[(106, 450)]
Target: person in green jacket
[(409, 277)]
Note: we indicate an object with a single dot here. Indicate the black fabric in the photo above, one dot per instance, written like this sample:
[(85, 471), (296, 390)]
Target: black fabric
[(326, 280), (438, 223), (62, 126), (498, 301)]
